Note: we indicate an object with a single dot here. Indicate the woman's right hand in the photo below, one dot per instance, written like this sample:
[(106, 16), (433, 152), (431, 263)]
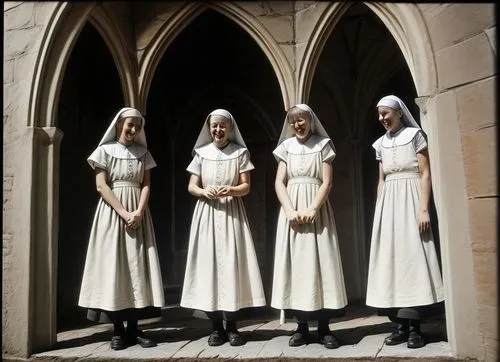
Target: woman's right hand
[(210, 192)]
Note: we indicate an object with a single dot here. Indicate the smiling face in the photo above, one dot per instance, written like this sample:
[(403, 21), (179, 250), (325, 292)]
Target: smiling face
[(300, 123), (389, 118), (220, 127), (127, 130)]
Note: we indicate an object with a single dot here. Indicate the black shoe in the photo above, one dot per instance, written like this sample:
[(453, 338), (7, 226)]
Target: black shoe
[(217, 338), (235, 338), (397, 337), (329, 341), (140, 338), (299, 339), (415, 340), (117, 343)]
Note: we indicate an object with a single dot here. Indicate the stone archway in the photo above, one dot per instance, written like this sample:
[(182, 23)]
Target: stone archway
[(61, 33), (195, 80), (407, 26), (151, 56)]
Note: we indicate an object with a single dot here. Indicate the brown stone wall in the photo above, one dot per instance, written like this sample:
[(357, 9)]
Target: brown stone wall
[(464, 43)]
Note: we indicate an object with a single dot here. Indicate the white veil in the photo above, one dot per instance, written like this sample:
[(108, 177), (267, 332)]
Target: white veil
[(110, 134), (204, 137), (316, 126), (397, 104)]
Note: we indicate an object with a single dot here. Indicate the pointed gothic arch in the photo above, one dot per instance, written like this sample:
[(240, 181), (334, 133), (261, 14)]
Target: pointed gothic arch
[(406, 24), (184, 16)]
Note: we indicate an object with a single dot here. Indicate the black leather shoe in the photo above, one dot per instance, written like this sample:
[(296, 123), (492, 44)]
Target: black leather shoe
[(329, 341), (145, 342), (299, 339), (140, 339), (235, 338), (217, 338), (415, 340), (117, 343), (397, 337)]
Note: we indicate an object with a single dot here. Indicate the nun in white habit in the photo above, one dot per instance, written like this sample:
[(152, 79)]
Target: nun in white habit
[(308, 278), (122, 278), (222, 273), (404, 274)]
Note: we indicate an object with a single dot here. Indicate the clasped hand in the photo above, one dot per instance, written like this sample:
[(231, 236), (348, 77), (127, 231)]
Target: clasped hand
[(212, 192), (134, 219), (296, 218)]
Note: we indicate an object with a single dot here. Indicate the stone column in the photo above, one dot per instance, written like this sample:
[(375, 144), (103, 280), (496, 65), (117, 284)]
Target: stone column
[(47, 141), (439, 121)]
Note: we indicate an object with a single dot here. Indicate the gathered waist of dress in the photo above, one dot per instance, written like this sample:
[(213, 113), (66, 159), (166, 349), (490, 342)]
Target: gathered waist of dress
[(122, 183), (401, 175), (304, 180)]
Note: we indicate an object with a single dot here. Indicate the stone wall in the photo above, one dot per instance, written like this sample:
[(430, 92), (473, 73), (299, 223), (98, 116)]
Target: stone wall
[(24, 26), (463, 38)]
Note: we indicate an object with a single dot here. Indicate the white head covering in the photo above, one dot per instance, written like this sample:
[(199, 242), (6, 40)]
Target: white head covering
[(110, 134), (316, 126), (397, 104), (204, 137)]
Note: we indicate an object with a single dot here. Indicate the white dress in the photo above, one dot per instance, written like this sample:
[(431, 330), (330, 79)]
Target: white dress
[(122, 269), (404, 269), (222, 272), (308, 272)]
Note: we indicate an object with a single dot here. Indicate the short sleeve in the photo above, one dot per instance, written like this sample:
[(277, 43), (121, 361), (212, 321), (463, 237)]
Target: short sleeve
[(98, 158), (419, 142), (376, 146), (328, 152), (280, 153), (149, 162), (195, 165), (244, 162)]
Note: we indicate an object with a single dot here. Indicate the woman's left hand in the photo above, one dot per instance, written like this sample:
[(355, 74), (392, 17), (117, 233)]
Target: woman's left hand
[(135, 219), (308, 216), (424, 221), (224, 191)]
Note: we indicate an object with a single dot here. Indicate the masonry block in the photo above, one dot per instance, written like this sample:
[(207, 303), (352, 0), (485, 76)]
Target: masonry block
[(488, 319), (452, 23), (480, 158), (470, 60), (483, 218), (19, 17), (476, 105), (485, 267)]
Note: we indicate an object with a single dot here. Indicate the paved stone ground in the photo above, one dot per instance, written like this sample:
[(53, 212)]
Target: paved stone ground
[(360, 333)]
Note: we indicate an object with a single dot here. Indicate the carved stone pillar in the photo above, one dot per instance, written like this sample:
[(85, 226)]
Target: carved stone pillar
[(43, 306)]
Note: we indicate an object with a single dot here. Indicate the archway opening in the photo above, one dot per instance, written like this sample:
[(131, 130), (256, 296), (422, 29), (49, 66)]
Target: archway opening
[(360, 63), (90, 96), (213, 63)]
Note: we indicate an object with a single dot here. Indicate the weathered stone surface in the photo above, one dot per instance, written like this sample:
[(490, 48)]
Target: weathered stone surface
[(453, 23), (476, 105), (20, 16), (483, 218), (306, 20), (492, 37), (491, 349), (8, 71), (468, 61), (485, 267), (281, 27), (480, 157), (488, 319), (487, 294)]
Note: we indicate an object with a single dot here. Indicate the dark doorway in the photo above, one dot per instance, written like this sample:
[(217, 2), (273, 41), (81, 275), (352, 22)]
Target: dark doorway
[(213, 63), (360, 63), (90, 96)]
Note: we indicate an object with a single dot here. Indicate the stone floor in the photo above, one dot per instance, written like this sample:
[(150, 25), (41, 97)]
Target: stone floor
[(360, 332)]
